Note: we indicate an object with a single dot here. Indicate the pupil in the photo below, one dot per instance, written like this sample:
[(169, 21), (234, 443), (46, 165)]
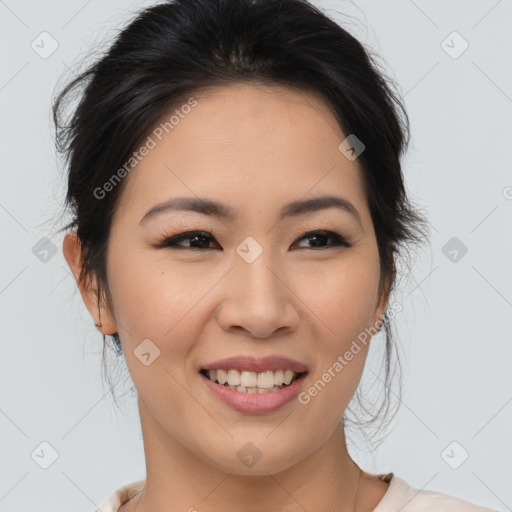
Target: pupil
[(317, 237), (202, 240)]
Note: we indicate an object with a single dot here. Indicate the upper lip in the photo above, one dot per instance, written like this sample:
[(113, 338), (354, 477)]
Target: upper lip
[(253, 364)]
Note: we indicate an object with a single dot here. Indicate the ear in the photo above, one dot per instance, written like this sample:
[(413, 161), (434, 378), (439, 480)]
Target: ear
[(379, 311), (385, 289), (72, 249)]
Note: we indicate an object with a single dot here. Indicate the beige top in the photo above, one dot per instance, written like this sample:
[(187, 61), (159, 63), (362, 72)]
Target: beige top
[(398, 498)]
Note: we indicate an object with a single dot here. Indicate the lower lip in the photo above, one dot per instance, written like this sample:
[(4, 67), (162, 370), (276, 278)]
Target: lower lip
[(255, 402)]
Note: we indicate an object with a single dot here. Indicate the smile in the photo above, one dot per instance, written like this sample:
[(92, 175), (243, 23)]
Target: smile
[(252, 382), (260, 394)]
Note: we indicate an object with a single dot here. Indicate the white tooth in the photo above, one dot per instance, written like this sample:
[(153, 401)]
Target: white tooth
[(279, 377), (248, 379), (240, 388), (265, 379), (288, 376), (232, 387), (222, 376), (252, 390), (262, 390), (233, 378)]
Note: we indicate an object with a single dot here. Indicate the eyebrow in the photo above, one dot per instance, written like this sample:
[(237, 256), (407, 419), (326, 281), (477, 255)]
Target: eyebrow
[(207, 206)]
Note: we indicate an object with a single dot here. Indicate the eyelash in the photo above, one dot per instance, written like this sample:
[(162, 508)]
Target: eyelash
[(171, 242)]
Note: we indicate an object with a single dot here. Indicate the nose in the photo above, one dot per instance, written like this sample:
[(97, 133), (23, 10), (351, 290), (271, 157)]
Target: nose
[(257, 299)]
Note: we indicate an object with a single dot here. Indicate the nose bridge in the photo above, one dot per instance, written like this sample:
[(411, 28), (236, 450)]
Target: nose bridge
[(255, 272), (256, 297)]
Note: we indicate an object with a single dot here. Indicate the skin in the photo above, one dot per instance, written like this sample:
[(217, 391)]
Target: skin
[(253, 148)]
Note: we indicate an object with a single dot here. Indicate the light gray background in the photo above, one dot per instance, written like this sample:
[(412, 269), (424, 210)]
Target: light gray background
[(455, 328)]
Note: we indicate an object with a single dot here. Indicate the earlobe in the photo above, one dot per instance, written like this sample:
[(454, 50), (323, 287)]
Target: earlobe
[(72, 250)]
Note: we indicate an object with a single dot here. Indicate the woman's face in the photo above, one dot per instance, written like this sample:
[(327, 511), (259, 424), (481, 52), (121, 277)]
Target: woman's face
[(252, 285)]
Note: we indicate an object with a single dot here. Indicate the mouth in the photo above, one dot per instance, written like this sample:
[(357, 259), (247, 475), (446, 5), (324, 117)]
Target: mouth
[(253, 382)]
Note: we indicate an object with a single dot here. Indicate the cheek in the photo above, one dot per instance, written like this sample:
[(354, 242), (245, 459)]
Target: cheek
[(342, 295), (156, 305), (151, 305), (341, 308), (151, 297)]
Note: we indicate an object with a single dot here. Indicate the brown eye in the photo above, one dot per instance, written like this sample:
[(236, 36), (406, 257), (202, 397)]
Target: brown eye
[(319, 237), (197, 239)]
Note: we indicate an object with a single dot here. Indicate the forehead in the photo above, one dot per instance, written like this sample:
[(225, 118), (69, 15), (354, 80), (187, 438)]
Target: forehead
[(246, 145), (243, 113)]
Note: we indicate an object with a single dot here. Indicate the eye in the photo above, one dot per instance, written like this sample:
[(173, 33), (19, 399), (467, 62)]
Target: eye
[(197, 238), (321, 235), (200, 240)]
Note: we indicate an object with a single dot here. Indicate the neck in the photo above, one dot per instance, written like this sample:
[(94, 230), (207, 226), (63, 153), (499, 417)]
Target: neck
[(178, 479)]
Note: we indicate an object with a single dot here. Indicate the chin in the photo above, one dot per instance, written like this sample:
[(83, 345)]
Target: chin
[(258, 458)]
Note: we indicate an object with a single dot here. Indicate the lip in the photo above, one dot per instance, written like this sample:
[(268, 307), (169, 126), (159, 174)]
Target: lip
[(253, 364), (254, 403)]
